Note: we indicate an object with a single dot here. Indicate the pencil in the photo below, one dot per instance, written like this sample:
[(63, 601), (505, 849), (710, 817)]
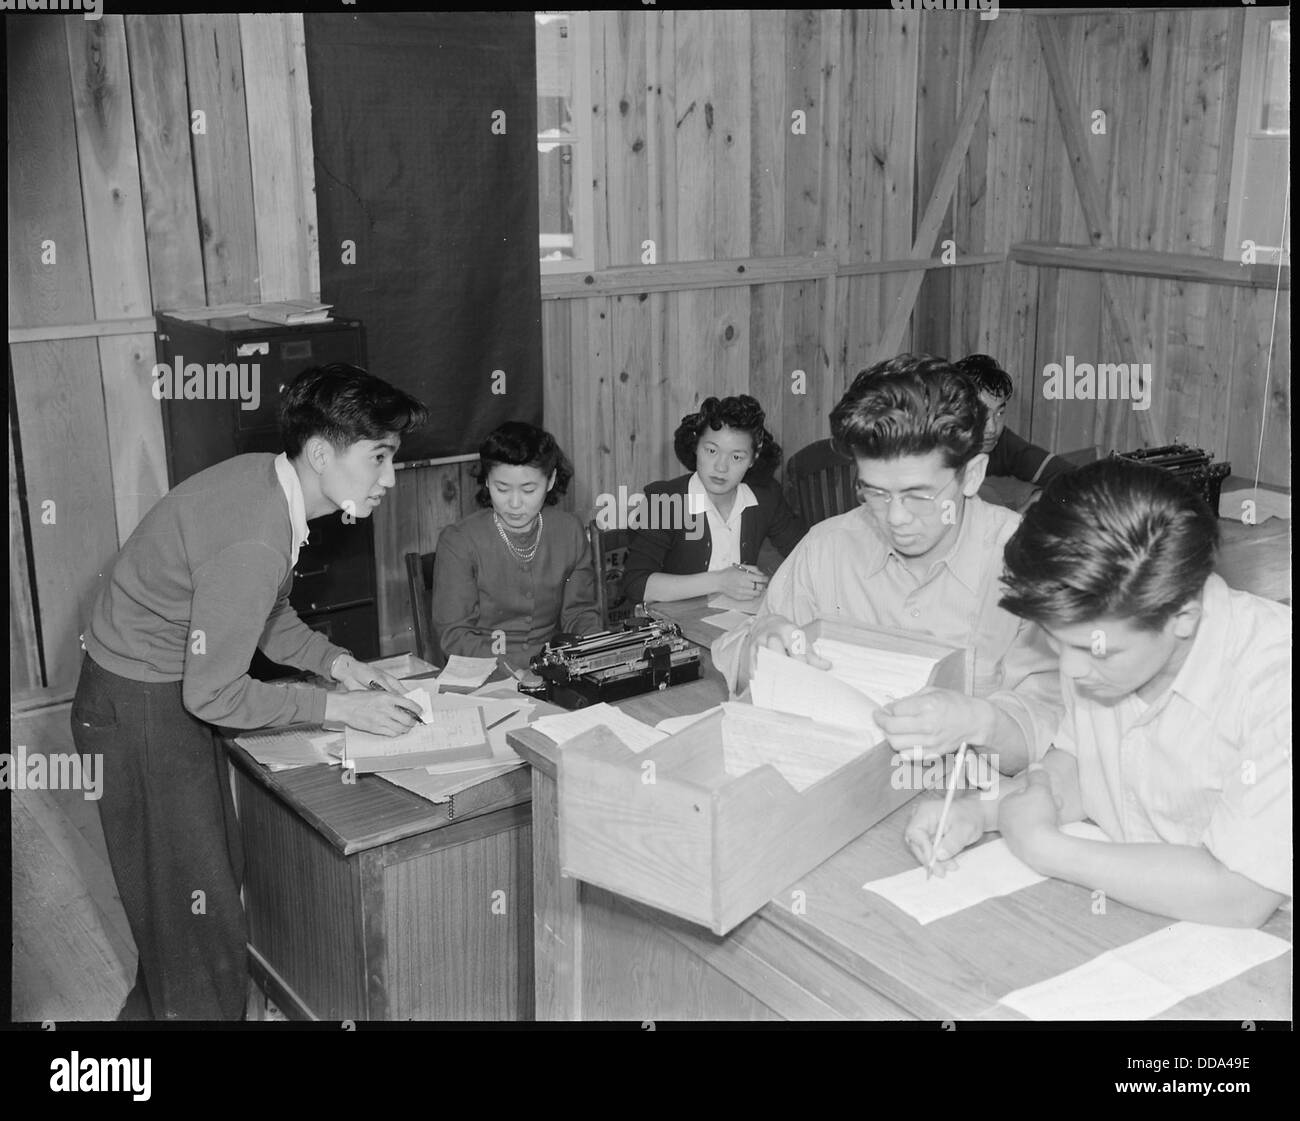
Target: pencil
[(947, 805), (375, 686)]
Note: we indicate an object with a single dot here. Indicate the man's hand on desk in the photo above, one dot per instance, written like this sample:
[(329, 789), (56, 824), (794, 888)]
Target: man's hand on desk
[(358, 675), (965, 825), (778, 633), (385, 714), (935, 722)]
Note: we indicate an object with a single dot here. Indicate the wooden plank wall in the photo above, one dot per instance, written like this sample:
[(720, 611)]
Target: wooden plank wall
[(695, 151), (144, 213), (1167, 82)]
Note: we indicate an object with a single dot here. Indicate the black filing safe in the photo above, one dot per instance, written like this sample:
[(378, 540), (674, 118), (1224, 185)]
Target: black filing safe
[(334, 587)]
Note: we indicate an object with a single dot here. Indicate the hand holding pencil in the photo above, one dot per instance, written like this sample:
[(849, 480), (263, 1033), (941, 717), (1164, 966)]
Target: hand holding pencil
[(939, 828)]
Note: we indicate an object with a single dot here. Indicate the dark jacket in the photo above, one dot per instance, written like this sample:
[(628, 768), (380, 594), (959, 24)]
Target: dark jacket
[(1014, 455), (671, 551)]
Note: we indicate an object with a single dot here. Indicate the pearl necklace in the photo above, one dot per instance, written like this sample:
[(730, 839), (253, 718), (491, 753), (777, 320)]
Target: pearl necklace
[(525, 555)]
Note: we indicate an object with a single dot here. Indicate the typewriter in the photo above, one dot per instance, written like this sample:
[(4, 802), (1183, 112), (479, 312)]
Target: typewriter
[(1191, 466), (644, 653)]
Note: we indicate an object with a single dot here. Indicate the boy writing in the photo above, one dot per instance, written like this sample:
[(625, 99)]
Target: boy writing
[(1177, 690), (201, 583)]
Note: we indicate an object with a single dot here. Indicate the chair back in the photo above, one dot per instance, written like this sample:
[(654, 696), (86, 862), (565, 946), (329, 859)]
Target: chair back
[(419, 585), (609, 549), (819, 482)]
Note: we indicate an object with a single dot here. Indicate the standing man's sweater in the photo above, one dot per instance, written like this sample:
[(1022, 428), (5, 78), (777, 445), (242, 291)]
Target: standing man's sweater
[(204, 581)]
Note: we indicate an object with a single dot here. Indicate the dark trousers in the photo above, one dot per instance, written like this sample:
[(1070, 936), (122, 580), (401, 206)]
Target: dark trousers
[(173, 843)]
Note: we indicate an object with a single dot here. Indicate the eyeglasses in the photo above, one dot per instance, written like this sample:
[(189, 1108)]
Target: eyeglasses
[(918, 505)]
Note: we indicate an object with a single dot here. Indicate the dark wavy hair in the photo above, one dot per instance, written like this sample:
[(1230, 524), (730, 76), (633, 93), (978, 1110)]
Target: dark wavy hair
[(344, 404), (744, 414), (1113, 539), (911, 404), (987, 376), (517, 444)]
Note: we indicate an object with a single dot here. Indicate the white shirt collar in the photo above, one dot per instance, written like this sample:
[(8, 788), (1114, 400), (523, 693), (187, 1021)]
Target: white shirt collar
[(297, 504), (699, 500)]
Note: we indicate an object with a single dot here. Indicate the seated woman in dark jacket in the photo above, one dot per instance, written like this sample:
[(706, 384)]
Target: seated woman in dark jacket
[(508, 578), (714, 547)]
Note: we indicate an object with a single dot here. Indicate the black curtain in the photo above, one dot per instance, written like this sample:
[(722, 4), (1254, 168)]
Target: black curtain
[(442, 209)]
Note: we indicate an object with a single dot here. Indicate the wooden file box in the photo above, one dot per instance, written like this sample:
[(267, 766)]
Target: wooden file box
[(697, 842)]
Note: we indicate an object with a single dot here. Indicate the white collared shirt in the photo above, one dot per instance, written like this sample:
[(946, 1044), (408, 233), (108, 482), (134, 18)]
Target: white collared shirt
[(292, 488), (724, 532), (1208, 761)]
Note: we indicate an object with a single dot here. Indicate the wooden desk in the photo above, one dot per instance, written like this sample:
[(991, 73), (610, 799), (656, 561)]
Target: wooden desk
[(849, 955), (366, 901), (1257, 558)]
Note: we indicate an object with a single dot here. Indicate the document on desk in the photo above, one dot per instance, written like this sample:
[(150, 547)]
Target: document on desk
[(983, 872), (725, 620), (462, 672), (1149, 976), (500, 715), (450, 734), (283, 750), (671, 725), (882, 675), (720, 602), (563, 726), (802, 751), (440, 788), (788, 685)]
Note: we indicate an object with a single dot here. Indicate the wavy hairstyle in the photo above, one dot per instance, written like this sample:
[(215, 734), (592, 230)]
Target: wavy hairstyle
[(517, 444), (1113, 539), (344, 404), (987, 376), (911, 404), (742, 413)]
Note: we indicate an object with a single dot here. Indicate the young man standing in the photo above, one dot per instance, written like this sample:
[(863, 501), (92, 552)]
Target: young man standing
[(1176, 739), (202, 582), (922, 553)]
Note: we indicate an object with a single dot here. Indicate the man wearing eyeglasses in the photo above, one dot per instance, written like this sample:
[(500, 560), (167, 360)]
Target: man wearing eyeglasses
[(922, 553)]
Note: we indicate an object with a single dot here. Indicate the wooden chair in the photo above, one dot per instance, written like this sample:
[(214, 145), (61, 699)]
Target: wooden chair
[(419, 586), (819, 482), (609, 555)]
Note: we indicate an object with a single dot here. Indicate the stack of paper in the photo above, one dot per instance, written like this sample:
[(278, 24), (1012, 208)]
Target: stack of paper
[(788, 685), (292, 312), (565, 725), (466, 673), (280, 751), (448, 735), (803, 753), (882, 675)]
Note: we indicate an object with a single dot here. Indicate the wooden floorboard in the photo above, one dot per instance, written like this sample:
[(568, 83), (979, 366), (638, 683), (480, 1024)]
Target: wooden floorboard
[(73, 955)]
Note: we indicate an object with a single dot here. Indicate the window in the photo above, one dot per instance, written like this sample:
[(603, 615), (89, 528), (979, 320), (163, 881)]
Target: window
[(564, 179), (1258, 199)]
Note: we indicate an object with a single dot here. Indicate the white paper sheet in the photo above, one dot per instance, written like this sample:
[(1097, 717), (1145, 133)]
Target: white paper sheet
[(466, 673), (720, 602), (564, 726), (802, 752), (1268, 504), (451, 733), (1149, 976), (725, 620), (882, 675), (981, 873), (282, 751), (671, 725), (440, 788), (789, 685)]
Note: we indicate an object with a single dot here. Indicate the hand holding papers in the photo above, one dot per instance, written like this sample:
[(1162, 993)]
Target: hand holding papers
[(788, 685)]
